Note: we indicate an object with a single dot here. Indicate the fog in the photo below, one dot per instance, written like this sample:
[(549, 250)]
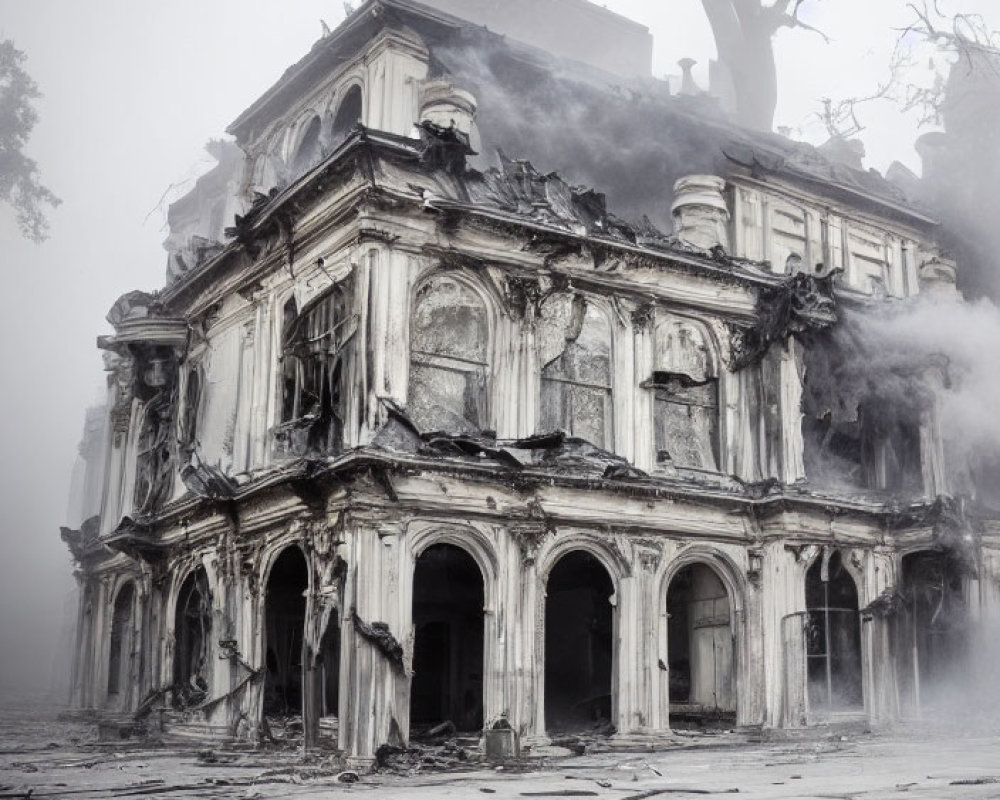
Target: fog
[(133, 91)]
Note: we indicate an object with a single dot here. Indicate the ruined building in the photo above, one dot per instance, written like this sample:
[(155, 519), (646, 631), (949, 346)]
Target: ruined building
[(419, 430)]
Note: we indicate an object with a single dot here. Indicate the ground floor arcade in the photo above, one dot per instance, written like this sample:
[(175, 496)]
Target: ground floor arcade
[(373, 627)]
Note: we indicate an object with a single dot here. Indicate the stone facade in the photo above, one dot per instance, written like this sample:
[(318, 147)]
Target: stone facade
[(413, 442)]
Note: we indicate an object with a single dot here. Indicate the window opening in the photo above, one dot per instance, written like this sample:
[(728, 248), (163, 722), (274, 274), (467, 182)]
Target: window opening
[(308, 151), (449, 337), (313, 354), (576, 378), (686, 399), (348, 114)]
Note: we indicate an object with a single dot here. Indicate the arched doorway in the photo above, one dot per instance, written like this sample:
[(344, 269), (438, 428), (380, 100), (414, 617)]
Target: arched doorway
[(284, 629), (833, 637), (930, 630), (448, 600), (120, 646), (579, 644), (193, 640), (700, 647)]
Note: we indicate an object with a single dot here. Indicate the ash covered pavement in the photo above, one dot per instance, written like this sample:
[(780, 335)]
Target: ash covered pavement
[(43, 756)]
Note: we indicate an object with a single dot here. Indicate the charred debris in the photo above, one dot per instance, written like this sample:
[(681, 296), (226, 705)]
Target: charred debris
[(416, 446)]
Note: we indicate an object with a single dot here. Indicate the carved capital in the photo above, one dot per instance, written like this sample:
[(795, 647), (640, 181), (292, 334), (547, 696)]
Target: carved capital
[(522, 296), (648, 555), (529, 537), (642, 317)]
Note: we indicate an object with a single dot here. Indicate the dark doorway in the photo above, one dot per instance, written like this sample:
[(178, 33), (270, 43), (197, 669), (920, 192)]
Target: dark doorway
[(120, 650), (833, 637), (192, 640), (579, 644), (330, 659), (700, 646), (448, 601), (931, 630), (284, 621)]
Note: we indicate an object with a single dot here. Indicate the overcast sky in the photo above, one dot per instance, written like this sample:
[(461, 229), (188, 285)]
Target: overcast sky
[(133, 90)]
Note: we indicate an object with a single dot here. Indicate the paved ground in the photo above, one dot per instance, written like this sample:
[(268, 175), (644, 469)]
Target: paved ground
[(41, 757)]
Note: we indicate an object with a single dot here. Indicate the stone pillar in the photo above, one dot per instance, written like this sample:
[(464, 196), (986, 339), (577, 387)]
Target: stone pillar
[(638, 647), (751, 681), (782, 594), (529, 638), (881, 691), (378, 590)]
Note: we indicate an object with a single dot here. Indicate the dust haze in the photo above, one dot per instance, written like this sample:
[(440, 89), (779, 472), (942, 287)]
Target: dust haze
[(132, 93)]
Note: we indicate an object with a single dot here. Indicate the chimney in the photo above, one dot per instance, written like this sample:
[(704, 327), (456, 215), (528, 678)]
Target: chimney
[(701, 215)]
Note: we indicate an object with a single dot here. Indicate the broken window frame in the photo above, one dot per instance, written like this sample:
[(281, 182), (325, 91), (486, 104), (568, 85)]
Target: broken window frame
[(475, 372), (682, 390), (569, 386), (314, 343), (190, 415)]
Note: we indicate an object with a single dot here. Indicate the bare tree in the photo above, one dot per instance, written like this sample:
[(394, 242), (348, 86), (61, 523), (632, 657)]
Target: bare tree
[(20, 186), (744, 32)]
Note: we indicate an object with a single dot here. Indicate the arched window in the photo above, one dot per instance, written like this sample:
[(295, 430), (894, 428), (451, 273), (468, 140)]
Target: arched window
[(314, 343), (686, 397), (575, 352), (308, 150), (348, 114), (449, 345)]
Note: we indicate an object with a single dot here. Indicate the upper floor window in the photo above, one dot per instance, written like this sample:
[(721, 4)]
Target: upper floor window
[(308, 151), (449, 362), (348, 114), (313, 353), (576, 371), (686, 397), (188, 434)]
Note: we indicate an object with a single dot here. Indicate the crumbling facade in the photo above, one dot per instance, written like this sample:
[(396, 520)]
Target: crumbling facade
[(405, 441)]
